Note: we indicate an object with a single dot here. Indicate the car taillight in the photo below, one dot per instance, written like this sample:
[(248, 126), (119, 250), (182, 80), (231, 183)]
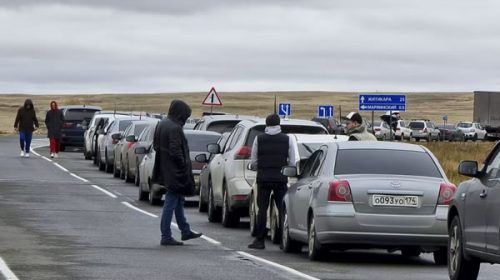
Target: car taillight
[(340, 191), (243, 153), (130, 145), (377, 129), (67, 125), (446, 193), (425, 130), (397, 128), (115, 141)]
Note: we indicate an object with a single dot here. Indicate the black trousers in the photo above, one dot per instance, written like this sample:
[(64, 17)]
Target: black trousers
[(263, 195)]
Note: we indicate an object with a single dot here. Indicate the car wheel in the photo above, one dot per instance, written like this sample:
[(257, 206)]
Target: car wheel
[(459, 268), (153, 199), (128, 179), (410, 252), (439, 138), (229, 218), (122, 169), (137, 180), (116, 172), (202, 204), (107, 166), (62, 148), (214, 214), (143, 196), (100, 164), (86, 154), (287, 244), (315, 251), (441, 256), (402, 137), (474, 138), (275, 229), (428, 139), (252, 213)]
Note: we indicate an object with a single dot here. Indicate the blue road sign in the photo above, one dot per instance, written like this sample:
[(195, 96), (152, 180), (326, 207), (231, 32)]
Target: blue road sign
[(325, 111), (284, 109), (377, 102)]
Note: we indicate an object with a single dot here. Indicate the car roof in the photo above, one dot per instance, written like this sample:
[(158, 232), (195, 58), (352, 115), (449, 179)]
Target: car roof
[(261, 121), (381, 145), (201, 132), (80, 107), (317, 138), (211, 118)]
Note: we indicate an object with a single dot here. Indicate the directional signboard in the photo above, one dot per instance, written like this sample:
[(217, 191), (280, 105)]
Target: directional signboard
[(325, 111), (212, 98), (284, 109), (379, 102)]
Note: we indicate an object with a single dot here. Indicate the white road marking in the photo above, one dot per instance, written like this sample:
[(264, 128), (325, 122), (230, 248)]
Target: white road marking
[(60, 167), (279, 266), (118, 193), (79, 178), (138, 209), (104, 191), (6, 272), (206, 238)]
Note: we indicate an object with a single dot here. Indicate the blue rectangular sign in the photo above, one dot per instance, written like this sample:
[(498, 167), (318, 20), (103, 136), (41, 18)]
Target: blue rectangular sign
[(378, 102), (325, 111), (284, 109)]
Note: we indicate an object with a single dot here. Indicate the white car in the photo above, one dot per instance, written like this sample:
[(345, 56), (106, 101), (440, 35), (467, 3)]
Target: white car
[(382, 131), (231, 181), (402, 131), (471, 130), (306, 145)]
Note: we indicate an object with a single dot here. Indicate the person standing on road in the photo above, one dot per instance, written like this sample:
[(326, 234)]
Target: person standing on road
[(26, 122), (271, 151), (356, 130), (173, 170), (54, 120)]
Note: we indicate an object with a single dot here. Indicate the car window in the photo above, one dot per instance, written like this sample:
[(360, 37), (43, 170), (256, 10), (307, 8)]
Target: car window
[(123, 124), (287, 129), (234, 138), (385, 125), (139, 128), (492, 170), (198, 125), (222, 126), (378, 161), (127, 130), (109, 127), (464, 125), (79, 114), (144, 134), (416, 125), (318, 163), (198, 143), (310, 164)]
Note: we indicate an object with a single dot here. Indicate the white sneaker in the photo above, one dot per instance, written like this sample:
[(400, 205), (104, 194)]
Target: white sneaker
[(27, 155), (56, 155), (52, 155), (22, 154)]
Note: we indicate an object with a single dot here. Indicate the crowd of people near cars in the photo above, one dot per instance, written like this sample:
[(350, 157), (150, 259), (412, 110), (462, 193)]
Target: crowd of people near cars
[(317, 183)]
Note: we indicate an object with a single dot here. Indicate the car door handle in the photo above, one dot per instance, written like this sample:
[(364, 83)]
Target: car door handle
[(484, 194)]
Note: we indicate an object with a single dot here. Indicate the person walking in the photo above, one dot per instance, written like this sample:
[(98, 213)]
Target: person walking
[(271, 151), (54, 120), (26, 122), (173, 170), (356, 130)]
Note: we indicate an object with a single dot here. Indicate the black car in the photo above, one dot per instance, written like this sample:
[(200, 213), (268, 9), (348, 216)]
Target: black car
[(76, 118), (451, 133), (332, 125)]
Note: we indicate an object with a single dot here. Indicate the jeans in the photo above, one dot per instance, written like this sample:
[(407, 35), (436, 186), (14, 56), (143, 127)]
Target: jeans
[(263, 195), (25, 140), (55, 145), (174, 203)]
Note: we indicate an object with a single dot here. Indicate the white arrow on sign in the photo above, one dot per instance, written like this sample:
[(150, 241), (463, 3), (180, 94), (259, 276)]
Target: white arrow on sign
[(362, 99), (212, 98)]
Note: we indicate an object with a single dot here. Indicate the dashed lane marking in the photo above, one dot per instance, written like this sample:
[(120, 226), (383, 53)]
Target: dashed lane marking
[(138, 209), (104, 191), (6, 272)]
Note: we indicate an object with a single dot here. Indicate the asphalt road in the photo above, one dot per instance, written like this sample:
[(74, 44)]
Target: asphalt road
[(57, 224)]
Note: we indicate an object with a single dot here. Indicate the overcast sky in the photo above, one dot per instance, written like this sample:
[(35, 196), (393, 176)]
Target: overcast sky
[(96, 46)]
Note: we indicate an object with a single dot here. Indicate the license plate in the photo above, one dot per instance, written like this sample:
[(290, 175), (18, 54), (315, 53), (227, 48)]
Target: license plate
[(395, 200)]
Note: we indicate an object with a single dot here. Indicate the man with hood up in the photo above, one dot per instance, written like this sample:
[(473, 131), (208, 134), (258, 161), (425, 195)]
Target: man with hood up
[(26, 122), (356, 130), (173, 170), (54, 120)]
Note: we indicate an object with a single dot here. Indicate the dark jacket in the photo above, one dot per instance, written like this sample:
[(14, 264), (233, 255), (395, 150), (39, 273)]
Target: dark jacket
[(273, 155), (54, 120), (26, 117), (172, 167)]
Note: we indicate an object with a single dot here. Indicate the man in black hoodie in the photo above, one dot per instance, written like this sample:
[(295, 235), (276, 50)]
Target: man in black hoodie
[(26, 122), (173, 170)]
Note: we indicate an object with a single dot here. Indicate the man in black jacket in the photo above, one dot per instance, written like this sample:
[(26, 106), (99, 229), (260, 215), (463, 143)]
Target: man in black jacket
[(173, 170), (270, 152), (26, 122)]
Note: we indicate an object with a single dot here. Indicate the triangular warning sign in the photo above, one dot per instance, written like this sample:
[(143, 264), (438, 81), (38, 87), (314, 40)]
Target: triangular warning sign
[(212, 98)]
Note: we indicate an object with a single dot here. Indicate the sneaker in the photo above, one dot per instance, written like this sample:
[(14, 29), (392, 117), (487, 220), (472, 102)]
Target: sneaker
[(170, 242), (27, 155), (257, 244), (22, 154), (52, 155), (56, 155), (191, 235)]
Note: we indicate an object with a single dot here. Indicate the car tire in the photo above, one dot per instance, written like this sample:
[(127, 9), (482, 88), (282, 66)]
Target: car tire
[(274, 224), (87, 155), (411, 252), (315, 251), (100, 164), (474, 138), (202, 204), (441, 256), (252, 213), (230, 218), (143, 196), (153, 199), (214, 215), (137, 179), (116, 172), (402, 137), (107, 166), (459, 267), (288, 245), (128, 179), (122, 169), (62, 148), (428, 139)]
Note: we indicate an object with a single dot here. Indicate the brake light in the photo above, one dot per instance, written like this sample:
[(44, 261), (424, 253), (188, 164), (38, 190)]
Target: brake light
[(115, 141), (340, 191), (243, 153), (130, 145), (446, 193), (377, 129), (397, 128), (67, 125)]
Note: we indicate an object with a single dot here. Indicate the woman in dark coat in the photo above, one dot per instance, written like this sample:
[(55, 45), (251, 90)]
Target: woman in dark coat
[(26, 122), (54, 120)]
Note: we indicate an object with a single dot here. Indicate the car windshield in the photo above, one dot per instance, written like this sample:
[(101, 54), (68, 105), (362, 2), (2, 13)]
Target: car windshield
[(393, 162), (465, 125), (296, 129), (416, 125), (222, 126), (123, 124), (79, 114), (198, 143), (139, 128), (306, 149), (377, 123)]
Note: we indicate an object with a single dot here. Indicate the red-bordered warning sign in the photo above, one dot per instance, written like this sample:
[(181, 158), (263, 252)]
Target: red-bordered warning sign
[(212, 98)]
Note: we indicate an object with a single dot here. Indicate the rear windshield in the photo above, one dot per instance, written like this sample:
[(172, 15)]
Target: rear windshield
[(465, 125), (416, 125), (222, 126), (79, 114), (394, 162), (198, 143), (123, 124), (296, 129)]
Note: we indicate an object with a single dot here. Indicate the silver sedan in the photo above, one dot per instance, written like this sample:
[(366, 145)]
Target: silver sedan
[(393, 196)]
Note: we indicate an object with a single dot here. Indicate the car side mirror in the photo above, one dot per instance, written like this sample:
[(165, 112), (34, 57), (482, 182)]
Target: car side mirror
[(116, 136), (213, 148), (141, 150), (289, 171), (202, 158), (468, 168), (131, 138)]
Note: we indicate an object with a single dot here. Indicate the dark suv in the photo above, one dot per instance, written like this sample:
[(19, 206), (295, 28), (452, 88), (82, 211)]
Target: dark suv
[(76, 118), (474, 218)]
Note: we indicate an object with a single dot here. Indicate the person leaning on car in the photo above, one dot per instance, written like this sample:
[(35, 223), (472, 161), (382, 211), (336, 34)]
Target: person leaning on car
[(271, 151), (356, 130)]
